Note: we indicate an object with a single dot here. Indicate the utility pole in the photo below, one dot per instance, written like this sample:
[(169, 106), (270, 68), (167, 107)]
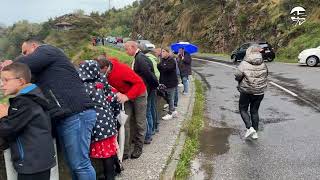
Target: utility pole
[(109, 6)]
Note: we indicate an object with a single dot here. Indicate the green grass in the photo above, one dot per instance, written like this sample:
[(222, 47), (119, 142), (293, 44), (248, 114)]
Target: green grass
[(213, 54), (4, 100), (91, 52), (303, 37), (192, 129), (120, 54)]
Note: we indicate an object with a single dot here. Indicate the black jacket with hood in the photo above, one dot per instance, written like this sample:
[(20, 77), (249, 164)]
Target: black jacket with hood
[(27, 129), (168, 73)]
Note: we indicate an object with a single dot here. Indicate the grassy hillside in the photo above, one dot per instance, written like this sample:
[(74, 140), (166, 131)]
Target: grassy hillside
[(116, 22), (91, 52)]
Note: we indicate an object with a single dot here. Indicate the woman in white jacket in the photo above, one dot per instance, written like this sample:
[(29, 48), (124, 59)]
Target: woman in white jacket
[(251, 75)]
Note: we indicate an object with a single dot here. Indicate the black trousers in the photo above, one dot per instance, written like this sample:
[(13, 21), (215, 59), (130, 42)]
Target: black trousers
[(45, 175), (253, 101), (111, 167)]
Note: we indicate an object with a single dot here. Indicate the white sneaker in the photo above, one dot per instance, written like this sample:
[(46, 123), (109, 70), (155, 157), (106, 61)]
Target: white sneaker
[(165, 106), (175, 114), (167, 117), (254, 135), (249, 132), (180, 85)]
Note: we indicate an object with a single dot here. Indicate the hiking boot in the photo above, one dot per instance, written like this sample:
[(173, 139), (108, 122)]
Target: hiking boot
[(254, 135), (167, 117), (249, 132), (136, 153)]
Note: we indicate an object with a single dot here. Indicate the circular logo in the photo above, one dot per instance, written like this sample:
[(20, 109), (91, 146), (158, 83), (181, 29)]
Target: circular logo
[(298, 15)]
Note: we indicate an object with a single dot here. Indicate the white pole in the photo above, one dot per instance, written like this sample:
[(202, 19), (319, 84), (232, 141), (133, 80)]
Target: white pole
[(12, 174)]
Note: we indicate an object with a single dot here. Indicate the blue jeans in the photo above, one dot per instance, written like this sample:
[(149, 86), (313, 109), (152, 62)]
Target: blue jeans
[(151, 114), (176, 98), (185, 82), (74, 134), (155, 113), (170, 98)]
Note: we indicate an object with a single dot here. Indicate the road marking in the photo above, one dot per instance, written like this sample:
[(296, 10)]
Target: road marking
[(276, 85), (216, 63), (284, 89)]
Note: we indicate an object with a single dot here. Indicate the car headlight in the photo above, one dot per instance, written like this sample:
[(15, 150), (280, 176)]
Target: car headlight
[(302, 53)]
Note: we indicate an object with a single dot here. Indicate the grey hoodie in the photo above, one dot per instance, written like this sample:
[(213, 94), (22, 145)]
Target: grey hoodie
[(252, 73)]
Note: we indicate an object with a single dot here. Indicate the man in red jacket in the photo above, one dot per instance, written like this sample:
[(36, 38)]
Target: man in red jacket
[(132, 92)]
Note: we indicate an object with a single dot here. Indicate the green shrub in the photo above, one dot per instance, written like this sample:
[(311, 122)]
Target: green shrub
[(305, 36)]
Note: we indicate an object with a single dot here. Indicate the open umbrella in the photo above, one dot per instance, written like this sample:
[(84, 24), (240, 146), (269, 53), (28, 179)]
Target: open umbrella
[(188, 47), (122, 118)]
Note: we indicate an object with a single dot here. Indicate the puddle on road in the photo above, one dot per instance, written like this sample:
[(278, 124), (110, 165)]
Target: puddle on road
[(213, 142)]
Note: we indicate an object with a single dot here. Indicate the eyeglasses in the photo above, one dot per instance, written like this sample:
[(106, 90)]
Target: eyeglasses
[(4, 81)]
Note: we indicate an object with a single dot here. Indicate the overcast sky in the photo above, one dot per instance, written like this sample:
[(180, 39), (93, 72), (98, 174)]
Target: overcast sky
[(12, 11)]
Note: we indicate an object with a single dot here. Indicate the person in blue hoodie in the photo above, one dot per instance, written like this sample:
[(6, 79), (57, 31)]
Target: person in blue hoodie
[(26, 125)]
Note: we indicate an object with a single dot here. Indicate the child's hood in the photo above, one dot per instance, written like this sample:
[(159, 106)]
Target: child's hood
[(34, 92), (89, 71)]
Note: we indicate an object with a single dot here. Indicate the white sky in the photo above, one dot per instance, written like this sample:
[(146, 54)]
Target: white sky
[(12, 11)]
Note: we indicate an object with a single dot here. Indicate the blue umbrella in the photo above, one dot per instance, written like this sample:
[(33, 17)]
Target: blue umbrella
[(188, 47)]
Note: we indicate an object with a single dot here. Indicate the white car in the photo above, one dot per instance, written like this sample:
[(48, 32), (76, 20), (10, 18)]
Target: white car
[(146, 44), (311, 57)]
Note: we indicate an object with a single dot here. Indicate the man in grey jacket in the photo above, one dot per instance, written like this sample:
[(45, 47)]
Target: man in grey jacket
[(251, 75)]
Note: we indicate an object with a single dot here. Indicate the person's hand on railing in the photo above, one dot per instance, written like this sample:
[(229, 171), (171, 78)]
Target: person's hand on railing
[(4, 108)]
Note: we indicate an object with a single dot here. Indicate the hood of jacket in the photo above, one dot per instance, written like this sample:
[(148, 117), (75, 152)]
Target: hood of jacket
[(89, 71), (35, 93), (253, 55), (254, 58)]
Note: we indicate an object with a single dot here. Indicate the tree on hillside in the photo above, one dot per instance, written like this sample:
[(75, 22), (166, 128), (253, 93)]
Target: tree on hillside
[(79, 12), (135, 4), (19, 32), (95, 14)]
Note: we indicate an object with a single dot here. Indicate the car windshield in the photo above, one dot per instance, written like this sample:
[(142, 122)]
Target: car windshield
[(145, 41), (263, 45)]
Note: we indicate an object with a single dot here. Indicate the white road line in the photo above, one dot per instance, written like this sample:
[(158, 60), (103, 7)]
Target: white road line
[(284, 89), (216, 63), (274, 84)]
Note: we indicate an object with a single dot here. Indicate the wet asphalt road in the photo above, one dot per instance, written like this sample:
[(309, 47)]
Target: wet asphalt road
[(289, 138)]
